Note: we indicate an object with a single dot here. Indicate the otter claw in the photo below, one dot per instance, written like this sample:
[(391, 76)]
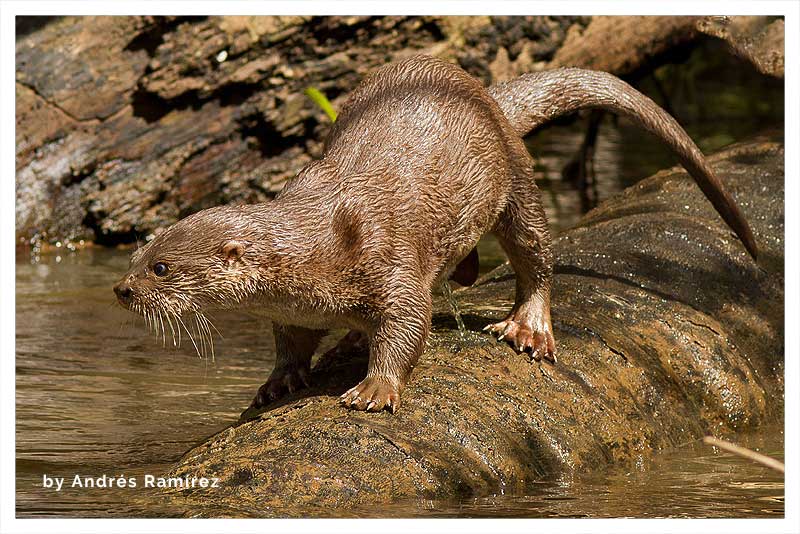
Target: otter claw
[(373, 394), (507, 330), (523, 338), (281, 382)]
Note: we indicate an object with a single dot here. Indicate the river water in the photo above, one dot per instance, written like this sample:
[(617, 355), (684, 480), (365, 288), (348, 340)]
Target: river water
[(96, 394)]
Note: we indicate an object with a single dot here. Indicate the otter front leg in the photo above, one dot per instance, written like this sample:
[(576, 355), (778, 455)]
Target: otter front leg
[(294, 347), (394, 348), (523, 233)]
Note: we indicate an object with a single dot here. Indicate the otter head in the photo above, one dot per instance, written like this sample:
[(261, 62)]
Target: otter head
[(200, 263)]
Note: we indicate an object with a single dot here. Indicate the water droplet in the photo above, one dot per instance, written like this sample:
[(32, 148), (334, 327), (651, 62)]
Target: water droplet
[(448, 293)]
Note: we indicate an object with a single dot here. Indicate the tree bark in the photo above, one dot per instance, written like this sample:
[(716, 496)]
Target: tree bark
[(127, 124)]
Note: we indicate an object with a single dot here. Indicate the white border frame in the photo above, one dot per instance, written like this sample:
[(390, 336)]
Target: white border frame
[(9, 9)]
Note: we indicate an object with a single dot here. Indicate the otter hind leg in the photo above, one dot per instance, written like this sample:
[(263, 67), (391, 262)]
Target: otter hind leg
[(294, 347), (466, 272), (352, 342), (523, 233)]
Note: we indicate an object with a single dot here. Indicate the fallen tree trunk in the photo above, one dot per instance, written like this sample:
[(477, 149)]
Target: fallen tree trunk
[(621, 45), (756, 39), (666, 331), (635, 45), (126, 124)]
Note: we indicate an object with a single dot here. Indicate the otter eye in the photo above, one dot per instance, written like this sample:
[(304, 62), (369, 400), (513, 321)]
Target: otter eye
[(160, 269)]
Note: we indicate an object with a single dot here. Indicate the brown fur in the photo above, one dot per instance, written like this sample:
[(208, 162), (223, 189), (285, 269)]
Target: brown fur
[(421, 163)]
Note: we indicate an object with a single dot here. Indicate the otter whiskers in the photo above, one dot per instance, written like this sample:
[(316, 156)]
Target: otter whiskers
[(180, 320), (200, 329)]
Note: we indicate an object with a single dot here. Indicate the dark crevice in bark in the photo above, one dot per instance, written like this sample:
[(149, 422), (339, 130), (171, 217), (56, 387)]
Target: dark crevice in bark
[(606, 345), (269, 141), (79, 175), (333, 35), (151, 107), (701, 325), (153, 35), (25, 25), (106, 238)]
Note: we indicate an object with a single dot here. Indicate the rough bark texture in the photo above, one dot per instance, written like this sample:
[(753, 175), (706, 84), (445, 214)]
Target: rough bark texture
[(620, 45), (632, 46), (126, 124), (666, 331), (758, 40)]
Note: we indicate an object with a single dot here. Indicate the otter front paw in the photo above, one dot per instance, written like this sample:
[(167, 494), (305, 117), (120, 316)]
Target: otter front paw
[(280, 383), (373, 394), (540, 343)]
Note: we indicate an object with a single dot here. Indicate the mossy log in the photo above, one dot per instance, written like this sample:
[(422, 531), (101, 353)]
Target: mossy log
[(666, 329)]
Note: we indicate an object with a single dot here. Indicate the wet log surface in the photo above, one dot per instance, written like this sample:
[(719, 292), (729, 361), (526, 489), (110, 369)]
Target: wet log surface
[(666, 331)]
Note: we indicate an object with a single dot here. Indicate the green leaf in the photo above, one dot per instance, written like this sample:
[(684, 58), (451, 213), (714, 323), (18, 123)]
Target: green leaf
[(322, 101)]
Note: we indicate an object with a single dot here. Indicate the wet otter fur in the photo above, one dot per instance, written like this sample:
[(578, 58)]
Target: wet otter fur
[(422, 162)]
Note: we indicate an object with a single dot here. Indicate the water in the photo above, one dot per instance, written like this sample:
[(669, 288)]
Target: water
[(692, 481), (447, 292), (96, 394)]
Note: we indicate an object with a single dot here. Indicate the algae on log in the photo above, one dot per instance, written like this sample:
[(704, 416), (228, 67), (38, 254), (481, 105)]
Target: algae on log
[(666, 331)]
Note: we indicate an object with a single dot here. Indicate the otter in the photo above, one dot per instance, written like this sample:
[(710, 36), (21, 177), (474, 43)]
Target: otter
[(422, 161)]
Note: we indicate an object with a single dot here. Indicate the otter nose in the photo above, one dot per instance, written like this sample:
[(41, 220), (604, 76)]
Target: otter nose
[(123, 291)]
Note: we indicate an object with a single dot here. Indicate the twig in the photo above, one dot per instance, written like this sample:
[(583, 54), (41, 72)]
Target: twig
[(746, 453)]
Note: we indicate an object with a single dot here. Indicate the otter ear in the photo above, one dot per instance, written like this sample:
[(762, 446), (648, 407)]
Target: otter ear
[(232, 251)]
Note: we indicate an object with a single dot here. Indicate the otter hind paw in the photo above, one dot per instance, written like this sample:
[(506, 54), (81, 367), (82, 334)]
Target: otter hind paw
[(280, 384), (539, 343)]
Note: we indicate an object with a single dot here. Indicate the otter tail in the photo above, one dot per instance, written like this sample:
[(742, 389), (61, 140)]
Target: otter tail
[(533, 99)]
